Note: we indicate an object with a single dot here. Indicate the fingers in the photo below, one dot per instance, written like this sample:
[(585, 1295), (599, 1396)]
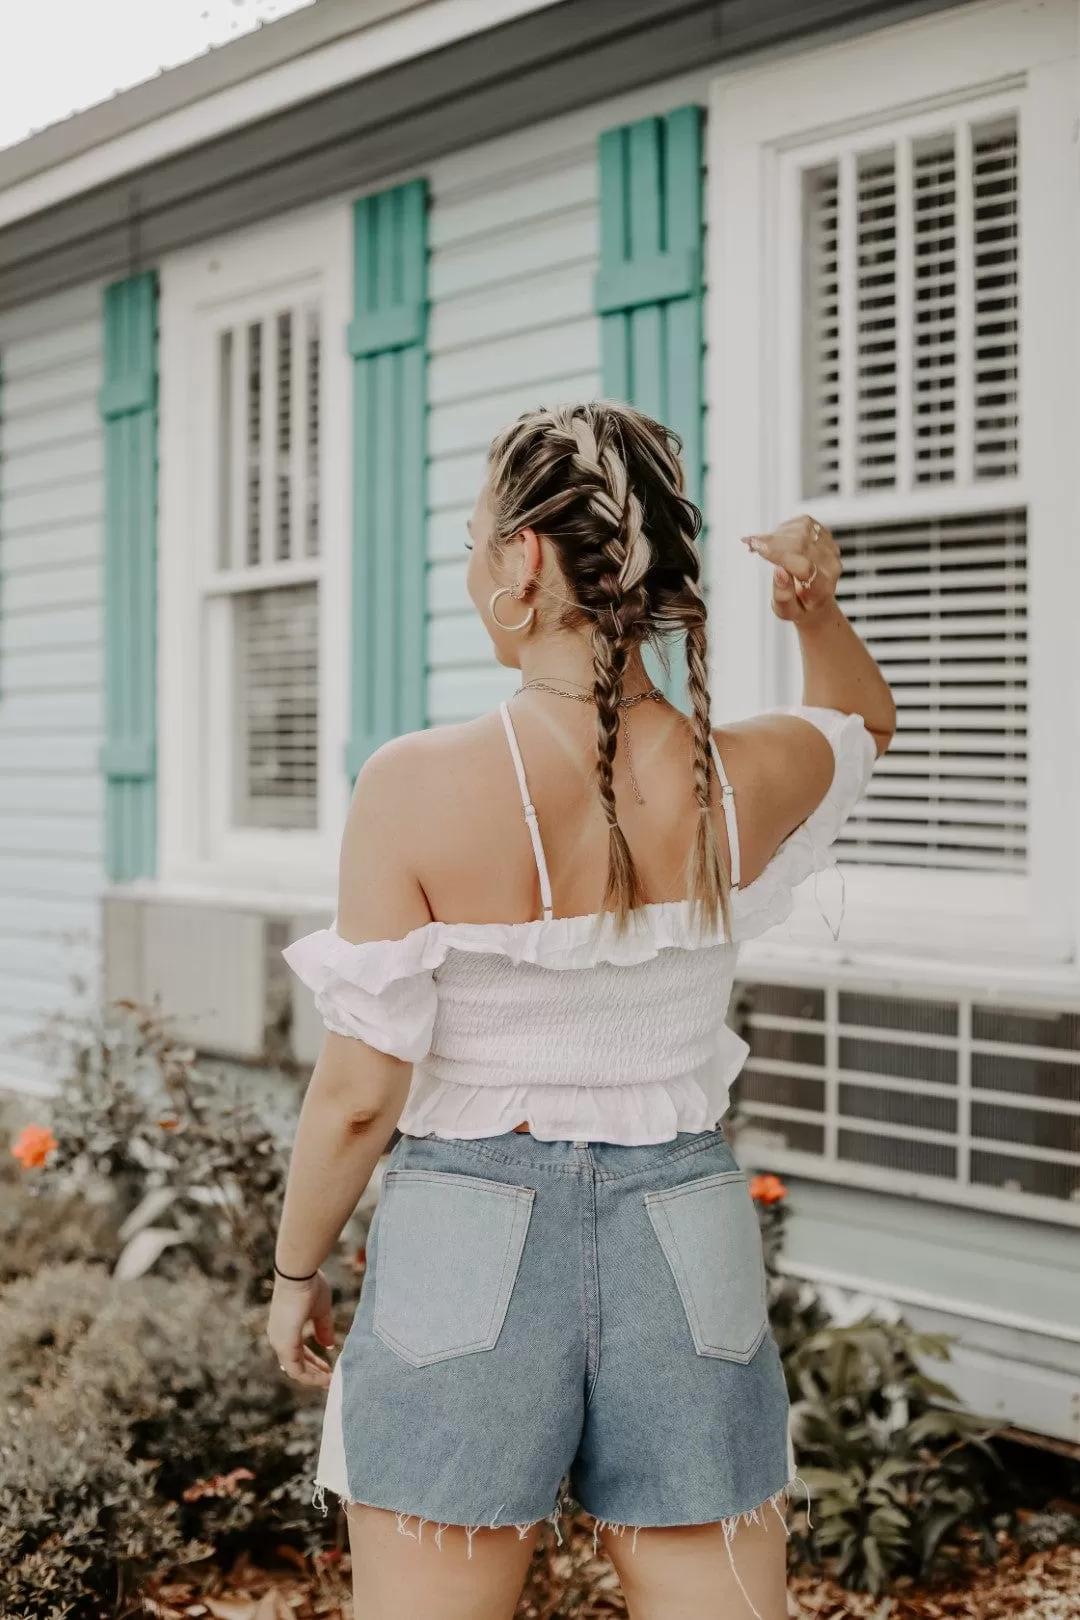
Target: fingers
[(316, 1370), (303, 1366), (296, 1359), (782, 552), (806, 565), (785, 589)]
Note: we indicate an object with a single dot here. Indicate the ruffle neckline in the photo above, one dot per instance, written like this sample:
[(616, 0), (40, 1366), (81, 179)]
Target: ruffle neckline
[(572, 943)]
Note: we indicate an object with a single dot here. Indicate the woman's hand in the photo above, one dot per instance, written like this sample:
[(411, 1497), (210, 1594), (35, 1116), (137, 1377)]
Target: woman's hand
[(292, 1307), (806, 566)]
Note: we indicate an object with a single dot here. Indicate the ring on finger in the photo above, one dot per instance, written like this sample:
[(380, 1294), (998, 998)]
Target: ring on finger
[(815, 529), (805, 584)]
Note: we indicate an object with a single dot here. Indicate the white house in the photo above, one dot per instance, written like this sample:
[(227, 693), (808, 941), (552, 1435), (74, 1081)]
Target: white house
[(258, 321)]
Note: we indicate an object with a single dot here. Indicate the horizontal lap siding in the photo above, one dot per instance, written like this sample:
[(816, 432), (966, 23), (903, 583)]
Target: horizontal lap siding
[(515, 243), (514, 239), (50, 668)]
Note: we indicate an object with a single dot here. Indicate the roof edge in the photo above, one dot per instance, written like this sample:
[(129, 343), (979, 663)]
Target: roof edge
[(217, 68)]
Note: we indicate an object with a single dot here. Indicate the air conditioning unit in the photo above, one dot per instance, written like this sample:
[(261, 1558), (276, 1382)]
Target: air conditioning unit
[(216, 972)]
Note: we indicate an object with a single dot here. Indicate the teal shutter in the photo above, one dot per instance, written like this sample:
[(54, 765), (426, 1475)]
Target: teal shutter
[(129, 416), (649, 292), (387, 341)]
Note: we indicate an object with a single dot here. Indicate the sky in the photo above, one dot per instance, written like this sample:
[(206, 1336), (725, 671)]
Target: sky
[(60, 56)]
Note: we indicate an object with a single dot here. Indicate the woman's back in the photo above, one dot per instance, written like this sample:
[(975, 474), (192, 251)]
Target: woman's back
[(514, 997), (456, 808)]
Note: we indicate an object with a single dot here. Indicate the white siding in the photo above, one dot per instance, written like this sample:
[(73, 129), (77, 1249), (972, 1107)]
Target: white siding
[(50, 668), (514, 251)]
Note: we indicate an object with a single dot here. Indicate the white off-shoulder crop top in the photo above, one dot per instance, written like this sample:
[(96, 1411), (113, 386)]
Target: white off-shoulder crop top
[(586, 1034)]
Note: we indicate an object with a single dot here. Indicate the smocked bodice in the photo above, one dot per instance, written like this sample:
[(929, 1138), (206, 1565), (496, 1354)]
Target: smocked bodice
[(584, 1032)]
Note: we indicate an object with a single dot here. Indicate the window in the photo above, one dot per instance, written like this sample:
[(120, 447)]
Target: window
[(910, 447), (892, 300), (267, 552), (254, 541)]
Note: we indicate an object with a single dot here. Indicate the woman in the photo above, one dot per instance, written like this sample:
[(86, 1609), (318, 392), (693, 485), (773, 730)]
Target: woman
[(528, 976)]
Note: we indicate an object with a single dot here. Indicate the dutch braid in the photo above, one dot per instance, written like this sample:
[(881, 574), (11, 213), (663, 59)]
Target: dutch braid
[(605, 484)]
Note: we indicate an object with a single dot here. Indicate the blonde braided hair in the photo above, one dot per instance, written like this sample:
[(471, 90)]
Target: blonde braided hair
[(604, 484)]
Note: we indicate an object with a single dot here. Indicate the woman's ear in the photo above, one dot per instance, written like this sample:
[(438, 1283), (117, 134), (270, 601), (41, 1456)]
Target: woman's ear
[(532, 556)]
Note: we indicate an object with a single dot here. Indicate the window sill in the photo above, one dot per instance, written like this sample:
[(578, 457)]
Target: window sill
[(268, 895), (966, 923), (778, 958)]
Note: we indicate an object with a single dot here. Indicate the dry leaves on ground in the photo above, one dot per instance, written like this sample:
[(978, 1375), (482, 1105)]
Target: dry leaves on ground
[(1044, 1586)]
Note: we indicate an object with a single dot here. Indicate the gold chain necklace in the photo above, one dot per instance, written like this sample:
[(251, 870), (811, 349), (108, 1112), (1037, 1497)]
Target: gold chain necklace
[(540, 684)]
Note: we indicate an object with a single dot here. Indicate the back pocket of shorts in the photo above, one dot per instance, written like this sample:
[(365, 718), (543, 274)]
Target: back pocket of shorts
[(449, 1248), (709, 1233)]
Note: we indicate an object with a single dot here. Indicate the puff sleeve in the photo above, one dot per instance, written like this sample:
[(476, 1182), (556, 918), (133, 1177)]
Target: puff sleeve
[(809, 849), (381, 992)]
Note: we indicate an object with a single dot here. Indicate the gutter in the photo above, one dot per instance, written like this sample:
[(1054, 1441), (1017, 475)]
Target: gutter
[(200, 101)]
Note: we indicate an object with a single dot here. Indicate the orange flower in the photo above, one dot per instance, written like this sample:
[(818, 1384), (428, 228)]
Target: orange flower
[(218, 1485), (33, 1145), (767, 1189)]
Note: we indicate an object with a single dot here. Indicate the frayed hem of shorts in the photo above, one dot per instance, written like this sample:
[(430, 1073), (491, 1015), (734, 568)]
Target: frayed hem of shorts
[(405, 1519), (730, 1526)]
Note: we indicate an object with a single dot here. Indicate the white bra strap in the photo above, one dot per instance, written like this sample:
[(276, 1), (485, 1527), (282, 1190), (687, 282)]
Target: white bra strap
[(728, 796), (530, 813)]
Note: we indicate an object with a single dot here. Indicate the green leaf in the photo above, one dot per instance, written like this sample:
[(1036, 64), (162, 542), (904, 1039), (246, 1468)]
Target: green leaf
[(933, 1532), (937, 1424)]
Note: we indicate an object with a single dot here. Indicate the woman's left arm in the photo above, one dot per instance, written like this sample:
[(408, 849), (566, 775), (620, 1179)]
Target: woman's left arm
[(356, 1093), (352, 1104)]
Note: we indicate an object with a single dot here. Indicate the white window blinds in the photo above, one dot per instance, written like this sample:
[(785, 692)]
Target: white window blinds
[(942, 606), (911, 314), (267, 552), (910, 449), (276, 649)]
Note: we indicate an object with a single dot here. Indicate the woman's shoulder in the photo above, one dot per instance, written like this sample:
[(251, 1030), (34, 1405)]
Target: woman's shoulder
[(415, 758), (777, 754), (788, 766)]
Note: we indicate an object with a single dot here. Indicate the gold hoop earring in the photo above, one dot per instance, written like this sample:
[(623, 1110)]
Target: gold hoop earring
[(526, 621)]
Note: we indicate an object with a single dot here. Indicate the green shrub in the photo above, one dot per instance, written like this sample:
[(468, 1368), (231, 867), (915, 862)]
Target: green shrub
[(185, 1156), (143, 1423), (901, 1480), (145, 1417), (81, 1522)]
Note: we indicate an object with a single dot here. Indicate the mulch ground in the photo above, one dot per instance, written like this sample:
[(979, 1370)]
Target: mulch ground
[(575, 1584)]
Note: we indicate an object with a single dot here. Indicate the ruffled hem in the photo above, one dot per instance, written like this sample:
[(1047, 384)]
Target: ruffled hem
[(626, 1115), (326, 963)]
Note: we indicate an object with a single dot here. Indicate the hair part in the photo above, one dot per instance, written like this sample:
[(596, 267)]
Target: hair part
[(604, 483)]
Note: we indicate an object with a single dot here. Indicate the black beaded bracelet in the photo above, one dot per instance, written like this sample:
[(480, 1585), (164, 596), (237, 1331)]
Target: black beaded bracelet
[(285, 1275)]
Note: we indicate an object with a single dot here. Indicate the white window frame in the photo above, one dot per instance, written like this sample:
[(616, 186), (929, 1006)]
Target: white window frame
[(1001, 54), (305, 258)]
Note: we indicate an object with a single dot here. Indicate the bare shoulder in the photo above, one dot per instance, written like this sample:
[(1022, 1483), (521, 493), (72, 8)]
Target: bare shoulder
[(781, 768), (380, 889), (414, 798), (778, 749), (417, 779), (418, 761)]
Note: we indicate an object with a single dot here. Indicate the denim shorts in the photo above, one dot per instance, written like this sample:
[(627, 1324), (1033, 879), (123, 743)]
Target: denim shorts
[(545, 1314)]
